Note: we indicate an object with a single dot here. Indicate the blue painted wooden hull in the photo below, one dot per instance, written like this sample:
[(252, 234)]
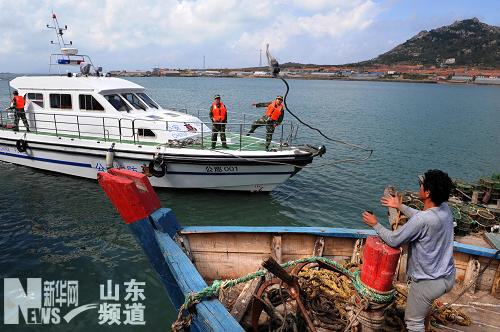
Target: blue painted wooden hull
[(180, 277)]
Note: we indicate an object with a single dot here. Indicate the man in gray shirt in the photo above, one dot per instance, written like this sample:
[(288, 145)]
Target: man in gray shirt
[(429, 234)]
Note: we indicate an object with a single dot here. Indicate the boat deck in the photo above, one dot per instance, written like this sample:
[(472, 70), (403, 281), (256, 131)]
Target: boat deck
[(223, 252), (481, 307), (235, 142), (188, 259)]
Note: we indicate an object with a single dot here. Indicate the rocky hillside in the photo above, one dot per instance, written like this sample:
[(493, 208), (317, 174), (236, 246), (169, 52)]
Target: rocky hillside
[(469, 42)]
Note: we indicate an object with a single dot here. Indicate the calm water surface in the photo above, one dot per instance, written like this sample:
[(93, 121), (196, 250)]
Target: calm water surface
[(63, 228)]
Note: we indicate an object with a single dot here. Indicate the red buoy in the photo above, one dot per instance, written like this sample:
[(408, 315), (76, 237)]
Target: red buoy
[(379, 264), (130, 192)]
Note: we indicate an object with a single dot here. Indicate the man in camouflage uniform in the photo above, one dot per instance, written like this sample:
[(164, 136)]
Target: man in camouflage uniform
[(218, 115), (271, 119)]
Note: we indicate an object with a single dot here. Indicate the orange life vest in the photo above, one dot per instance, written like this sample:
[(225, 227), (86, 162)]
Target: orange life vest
[(219, 113), (18, 102), (274, 111)]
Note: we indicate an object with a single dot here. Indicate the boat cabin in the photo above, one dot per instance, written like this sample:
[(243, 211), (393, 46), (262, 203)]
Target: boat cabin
[(101, 107)]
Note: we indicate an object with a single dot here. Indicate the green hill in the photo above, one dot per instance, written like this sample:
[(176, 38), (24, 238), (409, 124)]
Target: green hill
[(469, 42)]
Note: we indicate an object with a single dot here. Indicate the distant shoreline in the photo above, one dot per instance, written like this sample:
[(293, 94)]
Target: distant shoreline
[(358, 79), (297, 77)]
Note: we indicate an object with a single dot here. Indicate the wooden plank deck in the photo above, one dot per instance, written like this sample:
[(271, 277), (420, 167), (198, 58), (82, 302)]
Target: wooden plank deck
[(481, 307)]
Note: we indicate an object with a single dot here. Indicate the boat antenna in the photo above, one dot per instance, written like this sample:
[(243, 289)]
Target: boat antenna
[(274, 67), (59, 32), (67, 54)]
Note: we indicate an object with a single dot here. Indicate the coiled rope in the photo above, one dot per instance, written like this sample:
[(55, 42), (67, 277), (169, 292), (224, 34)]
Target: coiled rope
[(217, 286)]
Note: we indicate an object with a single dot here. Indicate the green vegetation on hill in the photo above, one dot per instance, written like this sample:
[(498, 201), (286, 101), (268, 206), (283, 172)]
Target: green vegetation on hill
[(470, 42)]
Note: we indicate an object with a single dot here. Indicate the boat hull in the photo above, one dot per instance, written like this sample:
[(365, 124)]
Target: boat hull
[(187, 170), (191, 257), (188, 258)]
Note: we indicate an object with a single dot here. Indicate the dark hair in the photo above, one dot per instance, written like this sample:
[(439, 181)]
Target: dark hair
[(439, 184)]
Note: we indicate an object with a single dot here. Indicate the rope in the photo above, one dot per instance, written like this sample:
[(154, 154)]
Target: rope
[(288, 164), (353, 319), (257, 160), (217, 286), (348, 160), (336, 140), (370, 293)]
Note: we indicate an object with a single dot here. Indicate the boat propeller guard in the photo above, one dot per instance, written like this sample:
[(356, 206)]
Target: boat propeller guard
[(21, 145)]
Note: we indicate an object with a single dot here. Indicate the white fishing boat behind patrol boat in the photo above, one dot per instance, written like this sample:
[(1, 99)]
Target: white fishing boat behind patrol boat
[(82, 124)]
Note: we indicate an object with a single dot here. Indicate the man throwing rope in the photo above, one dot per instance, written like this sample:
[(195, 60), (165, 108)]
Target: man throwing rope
[(271, 119), (429, 233)]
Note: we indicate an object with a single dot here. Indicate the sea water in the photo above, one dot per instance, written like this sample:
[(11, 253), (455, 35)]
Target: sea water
[(58, 227)]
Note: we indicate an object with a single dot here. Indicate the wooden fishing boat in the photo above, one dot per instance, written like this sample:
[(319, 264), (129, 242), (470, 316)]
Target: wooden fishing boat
[(188, 259)]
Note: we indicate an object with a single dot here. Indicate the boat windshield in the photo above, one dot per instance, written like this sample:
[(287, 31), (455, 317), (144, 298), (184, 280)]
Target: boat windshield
[(117, 102), (135, 101), (145, 98)]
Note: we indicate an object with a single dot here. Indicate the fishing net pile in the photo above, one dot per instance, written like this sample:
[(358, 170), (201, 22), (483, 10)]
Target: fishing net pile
[(328, 295)]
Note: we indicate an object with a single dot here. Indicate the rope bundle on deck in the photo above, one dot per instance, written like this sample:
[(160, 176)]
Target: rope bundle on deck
[(328, 294), (184, 317)]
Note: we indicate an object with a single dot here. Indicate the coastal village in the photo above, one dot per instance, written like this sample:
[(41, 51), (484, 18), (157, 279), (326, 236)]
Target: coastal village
[(399, 73), (463, 52)]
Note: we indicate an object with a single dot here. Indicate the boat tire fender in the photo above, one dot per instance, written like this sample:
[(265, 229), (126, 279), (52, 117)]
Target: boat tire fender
[(110, 156), (21, 145), (158, 168)]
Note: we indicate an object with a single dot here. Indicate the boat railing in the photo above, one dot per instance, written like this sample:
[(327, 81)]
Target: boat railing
[(174, 133), (242, 117)]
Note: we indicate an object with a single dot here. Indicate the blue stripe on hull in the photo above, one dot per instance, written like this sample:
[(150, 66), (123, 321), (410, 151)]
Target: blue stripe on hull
[(71, 163), (54, 161)]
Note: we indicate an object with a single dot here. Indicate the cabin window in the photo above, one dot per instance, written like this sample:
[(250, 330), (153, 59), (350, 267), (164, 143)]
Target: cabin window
[(134, 101), (36, 98), (62, 101), (147, 100), (117, 102), (89, 103), (146, 132)]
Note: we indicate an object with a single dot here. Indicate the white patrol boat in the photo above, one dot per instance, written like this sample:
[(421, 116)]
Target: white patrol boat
[(86, 123)]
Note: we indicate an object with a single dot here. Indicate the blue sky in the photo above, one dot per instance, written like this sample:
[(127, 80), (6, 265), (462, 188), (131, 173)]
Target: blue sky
[(128, 34)]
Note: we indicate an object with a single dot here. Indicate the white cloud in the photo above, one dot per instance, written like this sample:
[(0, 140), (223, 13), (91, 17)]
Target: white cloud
[(230, 32), (320, 5), (337, 22), (8, 45)]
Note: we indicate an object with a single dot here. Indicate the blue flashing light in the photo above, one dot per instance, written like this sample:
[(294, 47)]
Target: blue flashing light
[(63, 61)]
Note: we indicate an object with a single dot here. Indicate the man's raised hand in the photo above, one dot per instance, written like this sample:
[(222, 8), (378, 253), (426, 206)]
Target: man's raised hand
[(391, 201)]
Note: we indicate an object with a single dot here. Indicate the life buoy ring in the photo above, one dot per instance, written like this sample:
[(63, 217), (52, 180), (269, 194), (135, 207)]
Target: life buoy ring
[(21, 145), (158, 168)]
